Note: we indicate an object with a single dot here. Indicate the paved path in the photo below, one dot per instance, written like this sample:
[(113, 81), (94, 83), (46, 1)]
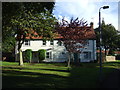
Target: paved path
[(112, 80)]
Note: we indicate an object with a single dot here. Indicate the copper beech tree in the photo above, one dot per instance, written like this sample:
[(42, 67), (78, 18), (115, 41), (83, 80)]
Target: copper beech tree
[(73, 35)]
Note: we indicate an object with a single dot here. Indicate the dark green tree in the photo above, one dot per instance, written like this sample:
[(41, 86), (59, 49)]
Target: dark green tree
[(109, 36), (10, 10), (20, 18)]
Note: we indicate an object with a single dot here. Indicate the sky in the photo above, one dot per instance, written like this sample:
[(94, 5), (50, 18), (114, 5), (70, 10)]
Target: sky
[(87, 9)]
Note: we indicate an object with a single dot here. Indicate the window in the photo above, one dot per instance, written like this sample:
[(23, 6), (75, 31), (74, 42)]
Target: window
[(27, 43), (49, 55), (51, 42), (88, 43), (59, 43), (44, 42), (87, 55)]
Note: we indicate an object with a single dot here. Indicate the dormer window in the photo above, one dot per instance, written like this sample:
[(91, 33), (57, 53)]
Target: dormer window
[(51, 42), (44, 42), (27, 43), (59, 43)]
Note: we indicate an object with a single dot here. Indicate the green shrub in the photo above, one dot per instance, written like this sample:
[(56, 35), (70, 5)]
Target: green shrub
[(41, 54), (118, 57), (28, 55)]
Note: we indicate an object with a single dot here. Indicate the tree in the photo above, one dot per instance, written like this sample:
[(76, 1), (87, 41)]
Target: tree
[(109, 36), (117, 42), (24, 18), (74, 35), (10, 10), (42, 23)]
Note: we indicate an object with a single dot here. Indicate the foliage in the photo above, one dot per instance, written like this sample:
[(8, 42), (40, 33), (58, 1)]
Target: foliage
[(41, 54), (111, 52), (74, 36), (42, 23), (8, 45), (73, 32), (13, 10), (118, 57), (28, 55), (110, 38), (20, 18)]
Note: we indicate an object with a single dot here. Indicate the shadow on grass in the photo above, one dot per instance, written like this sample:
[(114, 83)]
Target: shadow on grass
[(20, 79), (89, 77), (112, 79), (112, 62), (85, 76)]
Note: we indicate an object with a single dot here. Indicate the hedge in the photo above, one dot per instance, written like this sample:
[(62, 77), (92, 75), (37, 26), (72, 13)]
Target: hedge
[(28, 55), (41, 54), (118, 57)]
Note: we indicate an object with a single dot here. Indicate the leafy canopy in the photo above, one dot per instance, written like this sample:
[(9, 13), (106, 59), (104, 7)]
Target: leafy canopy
[(11, 12), (109, 36)]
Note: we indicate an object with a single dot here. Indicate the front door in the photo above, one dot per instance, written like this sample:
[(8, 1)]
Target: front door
[(35, 57)]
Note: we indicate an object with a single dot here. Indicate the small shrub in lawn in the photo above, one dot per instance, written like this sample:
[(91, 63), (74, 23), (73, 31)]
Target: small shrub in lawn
[(41, 54), (28, 55), (118, 57)]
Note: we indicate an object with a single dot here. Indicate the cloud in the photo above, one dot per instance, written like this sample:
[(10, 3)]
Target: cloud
[(89, 10)]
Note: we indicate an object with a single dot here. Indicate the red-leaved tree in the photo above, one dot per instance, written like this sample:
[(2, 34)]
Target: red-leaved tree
[(74, 36)]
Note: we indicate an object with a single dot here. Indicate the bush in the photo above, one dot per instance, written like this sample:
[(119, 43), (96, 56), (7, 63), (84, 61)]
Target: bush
[(41, 54), (28, 55), (118, 57)]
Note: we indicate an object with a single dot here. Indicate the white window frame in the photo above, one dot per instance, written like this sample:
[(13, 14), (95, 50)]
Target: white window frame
[(59, 43), (44, 42), (27, 43), (48, 55), (87, 55), (52, 42)]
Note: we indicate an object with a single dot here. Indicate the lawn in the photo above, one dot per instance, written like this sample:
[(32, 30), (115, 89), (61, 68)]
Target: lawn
[(53, 75)]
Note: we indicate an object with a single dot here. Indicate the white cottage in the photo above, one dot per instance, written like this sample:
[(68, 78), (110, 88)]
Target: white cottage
[(56, 51)]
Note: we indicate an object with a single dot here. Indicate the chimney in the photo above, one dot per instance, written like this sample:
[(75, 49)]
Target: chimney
[(91, 24)]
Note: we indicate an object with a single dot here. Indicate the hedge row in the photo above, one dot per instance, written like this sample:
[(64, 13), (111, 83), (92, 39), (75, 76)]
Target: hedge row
[(41, 54), (28, 55)]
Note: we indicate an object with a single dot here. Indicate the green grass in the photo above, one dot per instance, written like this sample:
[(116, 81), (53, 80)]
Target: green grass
[(53, 75)]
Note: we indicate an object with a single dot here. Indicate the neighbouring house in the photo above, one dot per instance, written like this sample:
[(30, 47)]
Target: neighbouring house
[(56, 51)]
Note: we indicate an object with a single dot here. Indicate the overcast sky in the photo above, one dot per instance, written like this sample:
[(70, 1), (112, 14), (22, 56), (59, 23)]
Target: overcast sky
[(89, 10)]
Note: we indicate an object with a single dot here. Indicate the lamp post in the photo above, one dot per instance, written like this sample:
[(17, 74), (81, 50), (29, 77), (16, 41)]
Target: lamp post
[(100, 31)]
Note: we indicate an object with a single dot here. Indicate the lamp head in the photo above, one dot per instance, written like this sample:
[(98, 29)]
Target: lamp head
[(105, 7)]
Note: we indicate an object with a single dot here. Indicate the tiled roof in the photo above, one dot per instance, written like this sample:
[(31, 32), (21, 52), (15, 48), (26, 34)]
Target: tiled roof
[(89, 33)]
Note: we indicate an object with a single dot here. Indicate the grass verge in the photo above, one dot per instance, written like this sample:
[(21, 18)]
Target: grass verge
[(53, 75)]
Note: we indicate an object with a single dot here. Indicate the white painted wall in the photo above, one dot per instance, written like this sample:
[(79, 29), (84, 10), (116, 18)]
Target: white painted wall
[(59, 53), (90, 47)]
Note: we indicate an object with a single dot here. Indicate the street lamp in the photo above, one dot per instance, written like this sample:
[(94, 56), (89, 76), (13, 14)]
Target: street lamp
[(104, 7)]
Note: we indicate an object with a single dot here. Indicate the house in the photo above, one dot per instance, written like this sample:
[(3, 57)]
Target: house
[(56, 51)]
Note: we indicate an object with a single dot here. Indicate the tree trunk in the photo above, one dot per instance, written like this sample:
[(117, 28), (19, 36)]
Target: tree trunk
[(105, 53), (105, 50), (72, 57), (21, 58), (68, 60)]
